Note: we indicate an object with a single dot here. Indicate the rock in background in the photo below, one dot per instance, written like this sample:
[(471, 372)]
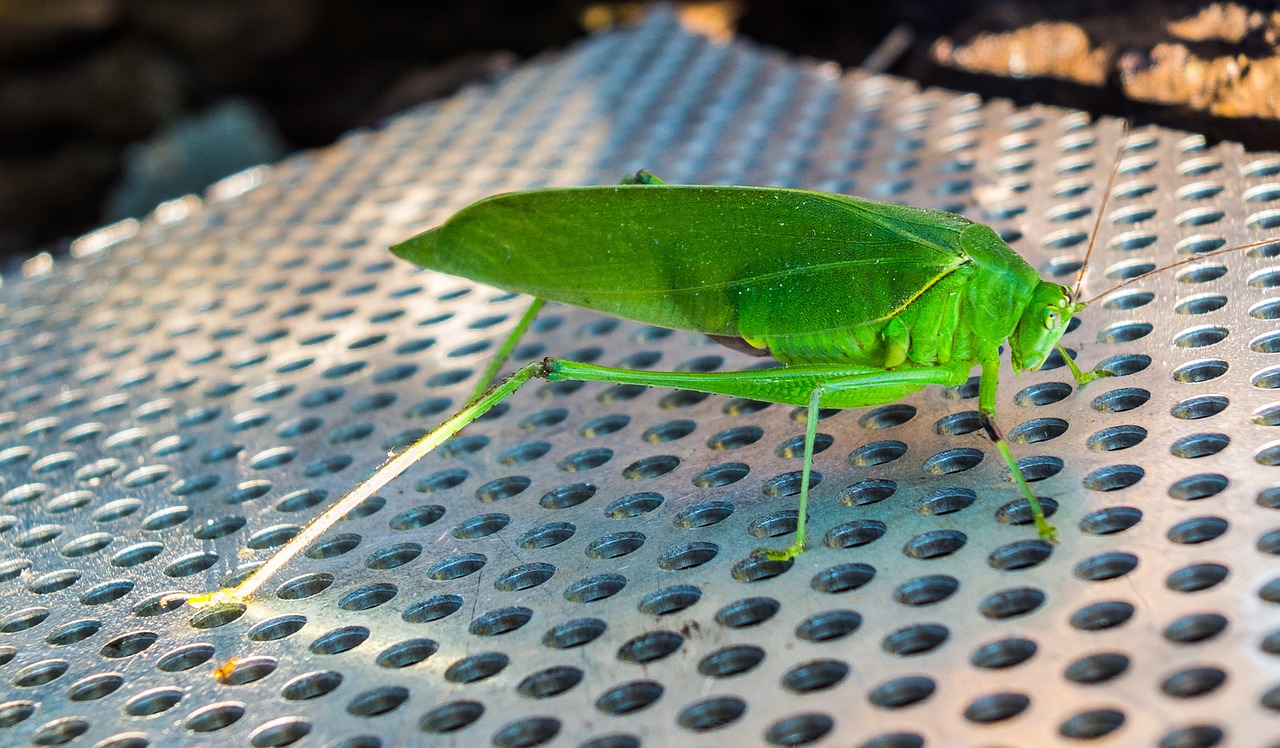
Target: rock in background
[(85, 83)]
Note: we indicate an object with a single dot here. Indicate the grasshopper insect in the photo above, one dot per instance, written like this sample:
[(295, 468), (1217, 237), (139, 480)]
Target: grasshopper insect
[(768, 271), (765, 270)]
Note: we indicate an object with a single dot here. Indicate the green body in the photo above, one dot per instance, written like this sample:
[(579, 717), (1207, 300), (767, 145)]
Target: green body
[(810, 277), (864, 302)]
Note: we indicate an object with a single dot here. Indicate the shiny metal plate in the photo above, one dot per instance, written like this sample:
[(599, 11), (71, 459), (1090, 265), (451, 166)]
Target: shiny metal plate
[(185, 393)]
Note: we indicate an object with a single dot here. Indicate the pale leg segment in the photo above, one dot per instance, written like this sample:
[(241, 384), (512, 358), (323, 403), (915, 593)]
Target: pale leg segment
[(388, 472)]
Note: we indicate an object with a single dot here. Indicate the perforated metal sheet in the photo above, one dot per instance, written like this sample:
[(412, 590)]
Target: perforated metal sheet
[(574, 569)]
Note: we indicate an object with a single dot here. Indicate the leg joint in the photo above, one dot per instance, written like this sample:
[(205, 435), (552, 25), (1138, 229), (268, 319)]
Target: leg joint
[(988, 425), (547, 369)]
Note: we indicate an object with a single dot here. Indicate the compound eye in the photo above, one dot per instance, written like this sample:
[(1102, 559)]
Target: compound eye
[(1050, 318)]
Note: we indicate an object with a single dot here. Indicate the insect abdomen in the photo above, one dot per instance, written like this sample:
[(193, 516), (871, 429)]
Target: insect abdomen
[(928, 331)]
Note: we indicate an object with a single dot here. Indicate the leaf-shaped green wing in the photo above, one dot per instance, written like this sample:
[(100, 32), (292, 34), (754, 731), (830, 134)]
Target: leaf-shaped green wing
[(749, 261)]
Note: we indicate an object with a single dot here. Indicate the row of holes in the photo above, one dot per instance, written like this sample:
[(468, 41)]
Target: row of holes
[(708, 714), (1035, 430), (652, 646), (809, 677)]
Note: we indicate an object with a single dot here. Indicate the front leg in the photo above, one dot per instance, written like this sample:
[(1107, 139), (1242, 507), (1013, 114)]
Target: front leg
[(1082, 377), (987, 409)]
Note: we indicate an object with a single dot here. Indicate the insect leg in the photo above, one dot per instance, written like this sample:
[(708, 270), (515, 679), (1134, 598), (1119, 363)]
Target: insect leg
[(987, 409), (508, 345), (795, 385), (1081, 377), (802, 508), (812, 385), (369, 486)]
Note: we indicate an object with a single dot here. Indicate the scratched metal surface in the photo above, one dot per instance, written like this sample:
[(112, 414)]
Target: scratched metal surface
[(574, 570)]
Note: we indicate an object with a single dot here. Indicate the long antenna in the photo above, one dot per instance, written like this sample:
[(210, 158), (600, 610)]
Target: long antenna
[(1102, 208), (1187, 261)]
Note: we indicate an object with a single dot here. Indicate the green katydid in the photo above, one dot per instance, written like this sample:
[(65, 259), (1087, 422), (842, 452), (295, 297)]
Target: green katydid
[(862, 302)]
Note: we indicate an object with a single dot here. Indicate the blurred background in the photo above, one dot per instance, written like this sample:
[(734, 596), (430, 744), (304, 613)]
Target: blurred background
[(109, 107)]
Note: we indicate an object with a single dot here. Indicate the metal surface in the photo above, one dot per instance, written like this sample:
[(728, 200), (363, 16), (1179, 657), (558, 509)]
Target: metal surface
[(574, 570)]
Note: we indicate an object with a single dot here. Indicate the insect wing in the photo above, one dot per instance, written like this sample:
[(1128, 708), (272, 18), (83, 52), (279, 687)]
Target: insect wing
[(746, 261)]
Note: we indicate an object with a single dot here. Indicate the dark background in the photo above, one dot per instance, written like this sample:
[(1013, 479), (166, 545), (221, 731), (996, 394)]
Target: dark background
[(108, 107)]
